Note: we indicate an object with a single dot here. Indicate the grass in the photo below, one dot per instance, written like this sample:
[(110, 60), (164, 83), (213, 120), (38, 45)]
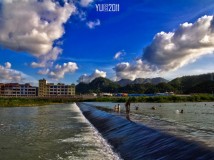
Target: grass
[(157, 99), (16, 102)]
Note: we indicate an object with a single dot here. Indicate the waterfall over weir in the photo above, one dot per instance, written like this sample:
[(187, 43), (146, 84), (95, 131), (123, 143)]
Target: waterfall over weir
[(136, 141)]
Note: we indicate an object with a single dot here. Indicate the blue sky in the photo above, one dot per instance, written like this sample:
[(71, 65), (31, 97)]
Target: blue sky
[(80, 50)]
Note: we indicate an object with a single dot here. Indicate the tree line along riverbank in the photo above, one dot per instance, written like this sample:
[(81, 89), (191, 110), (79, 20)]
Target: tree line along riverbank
[(24, 102), (27, 102), (157, 99)]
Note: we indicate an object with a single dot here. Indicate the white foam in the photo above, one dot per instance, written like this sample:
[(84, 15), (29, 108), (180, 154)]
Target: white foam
[(104, 149), (91, 137)]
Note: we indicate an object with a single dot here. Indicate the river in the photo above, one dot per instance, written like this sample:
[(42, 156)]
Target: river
[(195, 124), (62, 132), (50, 132)]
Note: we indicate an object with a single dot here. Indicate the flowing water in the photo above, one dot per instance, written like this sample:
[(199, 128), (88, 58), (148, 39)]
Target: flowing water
[(195, 124), (50, 132), (62, 132)]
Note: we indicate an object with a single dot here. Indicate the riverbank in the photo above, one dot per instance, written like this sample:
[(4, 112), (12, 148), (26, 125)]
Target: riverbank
[(28, 102), (36, 101), (157, 99)]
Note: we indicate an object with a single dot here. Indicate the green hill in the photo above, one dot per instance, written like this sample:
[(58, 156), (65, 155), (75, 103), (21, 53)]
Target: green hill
[(97, 85), (186, 84), (204, 87)]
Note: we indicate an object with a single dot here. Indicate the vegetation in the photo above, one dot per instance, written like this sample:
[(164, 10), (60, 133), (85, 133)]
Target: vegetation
[(156, 99), (193, 85), (97, 85), (16, 102), (124, 82), (183, 85), (105, 85)]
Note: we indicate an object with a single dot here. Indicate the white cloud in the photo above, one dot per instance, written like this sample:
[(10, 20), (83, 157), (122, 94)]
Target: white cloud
[(60, 70), (88, 78), (33, 26), (139, 68), (8, 65), (81, 15), (93, 24), (119, 54), (48, 59), (10, 75), (173, 50), (85, 3), (44, 71), (170, 51)]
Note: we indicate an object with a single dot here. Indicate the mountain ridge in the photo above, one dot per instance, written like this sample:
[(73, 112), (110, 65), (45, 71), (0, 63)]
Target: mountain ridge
[(156, 80), (202, 83)]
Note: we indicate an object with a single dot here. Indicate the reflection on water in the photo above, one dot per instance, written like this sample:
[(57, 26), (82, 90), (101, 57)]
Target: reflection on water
[(128, 116), (51, 132), (196, 123)]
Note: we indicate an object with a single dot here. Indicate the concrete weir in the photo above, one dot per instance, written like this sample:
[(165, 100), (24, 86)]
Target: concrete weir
[(135, 141)]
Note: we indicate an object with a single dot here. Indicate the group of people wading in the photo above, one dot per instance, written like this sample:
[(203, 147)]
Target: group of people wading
[(127, 107)]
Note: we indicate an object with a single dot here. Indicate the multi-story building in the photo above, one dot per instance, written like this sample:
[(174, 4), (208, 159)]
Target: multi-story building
[(51, 89), (42, 91), (1, 85), (17, 90)]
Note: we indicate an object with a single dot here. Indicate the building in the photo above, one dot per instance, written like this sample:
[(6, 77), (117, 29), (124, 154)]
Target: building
[(1, 91), (106, 94), (51, 89), (18, 90), (42, 91)]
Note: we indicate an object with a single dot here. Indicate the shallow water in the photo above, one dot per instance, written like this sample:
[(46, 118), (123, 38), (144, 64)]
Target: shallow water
[(50, 132), (137, 141), (195, 124)]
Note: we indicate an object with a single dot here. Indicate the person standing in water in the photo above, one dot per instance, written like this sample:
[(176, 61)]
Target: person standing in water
[(115, 108), (136, 107), (118, 108), (127, 105)]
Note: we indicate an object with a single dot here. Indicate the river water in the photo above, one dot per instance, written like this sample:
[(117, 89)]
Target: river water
[(52, 132), (195, 124), (61, 131)]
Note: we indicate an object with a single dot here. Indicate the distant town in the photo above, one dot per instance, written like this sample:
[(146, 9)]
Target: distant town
[(55, 90), (44, 90), (104, 87)]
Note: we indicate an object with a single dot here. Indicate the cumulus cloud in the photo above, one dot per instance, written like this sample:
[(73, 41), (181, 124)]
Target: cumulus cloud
[(119, 54), (48, 59), (139, 68), (33, 26), (85, 3), (44, 71), (60, 70), (10, 75), (8, 65), (88, 78), (173, 50), (93, 24), (170, 51)]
